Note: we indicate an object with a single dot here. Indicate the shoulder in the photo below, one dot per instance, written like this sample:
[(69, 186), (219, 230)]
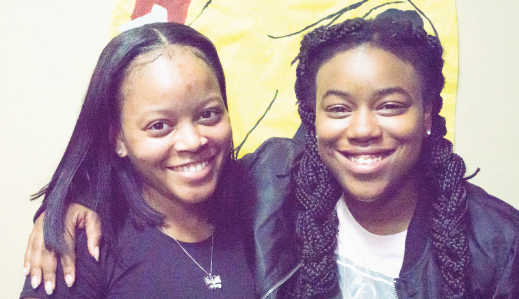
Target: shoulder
[(118, 259), (89, 281), (490, 211), (494, 224), (268, 171), (493, 239), (268, 209), (275, 154)]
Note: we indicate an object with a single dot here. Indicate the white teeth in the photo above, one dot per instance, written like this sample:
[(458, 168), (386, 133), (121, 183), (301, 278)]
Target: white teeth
[(365, 159), (193, 167)]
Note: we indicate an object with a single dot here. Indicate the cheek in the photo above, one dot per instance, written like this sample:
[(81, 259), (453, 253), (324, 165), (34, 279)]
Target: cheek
[(148, 151), (327, 154), (220, 135), (323, 135), (330, 132), (404, 127), (329, 140), (407, 134)]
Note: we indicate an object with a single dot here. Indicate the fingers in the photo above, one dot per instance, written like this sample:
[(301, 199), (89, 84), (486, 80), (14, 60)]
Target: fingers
[(27, 256), (93, 231), (79, 216), (36, 279), (32, 258), (68, 262), (68, 257), (38, 259), (83, 217), (49, 262), (35, 241)]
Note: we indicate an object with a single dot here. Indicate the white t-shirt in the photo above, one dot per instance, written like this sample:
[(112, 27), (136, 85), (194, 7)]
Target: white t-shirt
[(368, 263)]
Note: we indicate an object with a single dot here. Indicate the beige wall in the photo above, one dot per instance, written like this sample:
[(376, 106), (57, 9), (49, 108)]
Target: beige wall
[(49, 49), (487, 112)]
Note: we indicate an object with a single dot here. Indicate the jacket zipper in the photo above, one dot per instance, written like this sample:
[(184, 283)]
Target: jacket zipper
[(394, 286), (282, 281)]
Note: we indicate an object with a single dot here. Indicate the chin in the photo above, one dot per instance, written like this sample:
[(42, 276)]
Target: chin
[(198, 194), (367, 192), (365, 197)]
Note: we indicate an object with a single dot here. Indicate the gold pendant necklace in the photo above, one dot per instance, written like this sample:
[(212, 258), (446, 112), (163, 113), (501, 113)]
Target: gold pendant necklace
[(211, 281)]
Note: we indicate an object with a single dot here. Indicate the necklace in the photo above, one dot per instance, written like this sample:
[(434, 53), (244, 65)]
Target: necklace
[(211, 281)]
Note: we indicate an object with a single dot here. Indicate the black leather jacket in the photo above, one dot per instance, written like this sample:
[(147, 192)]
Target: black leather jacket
[(270, 211)]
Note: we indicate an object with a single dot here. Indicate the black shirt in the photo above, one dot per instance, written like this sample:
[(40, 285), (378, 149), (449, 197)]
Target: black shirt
[(150, 264)]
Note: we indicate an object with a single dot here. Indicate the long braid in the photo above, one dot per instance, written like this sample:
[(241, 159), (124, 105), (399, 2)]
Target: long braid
[(448, 215), (318, 191), (317, 224)]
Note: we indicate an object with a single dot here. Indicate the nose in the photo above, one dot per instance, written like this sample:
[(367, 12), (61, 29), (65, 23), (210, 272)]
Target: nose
[(188, 138), (363, 126)]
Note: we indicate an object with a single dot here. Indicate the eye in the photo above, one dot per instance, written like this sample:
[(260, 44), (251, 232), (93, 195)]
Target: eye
[(392, 108), (159, 128), (210, 116), (338, 111)]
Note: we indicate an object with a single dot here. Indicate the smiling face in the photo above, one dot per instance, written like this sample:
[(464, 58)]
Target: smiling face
[(370, 121), (175, 129)]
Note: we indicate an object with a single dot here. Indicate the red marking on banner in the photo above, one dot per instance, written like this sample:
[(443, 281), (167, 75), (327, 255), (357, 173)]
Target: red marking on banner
[(177, 9)]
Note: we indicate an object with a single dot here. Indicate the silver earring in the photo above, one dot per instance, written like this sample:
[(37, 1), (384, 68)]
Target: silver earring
[(428, 132)]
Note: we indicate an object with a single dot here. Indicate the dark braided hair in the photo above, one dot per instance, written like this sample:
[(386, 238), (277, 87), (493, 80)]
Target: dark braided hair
[(401, 33)]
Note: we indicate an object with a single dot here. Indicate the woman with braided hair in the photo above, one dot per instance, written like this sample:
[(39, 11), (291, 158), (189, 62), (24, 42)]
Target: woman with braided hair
[(380, 189), (369, 99), (368, 200)]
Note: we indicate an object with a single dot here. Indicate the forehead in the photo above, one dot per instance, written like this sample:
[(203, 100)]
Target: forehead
[(176, 86), (366, 66), (139, 66), (136, 67)]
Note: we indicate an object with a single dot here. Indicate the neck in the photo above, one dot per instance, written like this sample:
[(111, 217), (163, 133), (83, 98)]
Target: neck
[(389, 214), (186, 222)]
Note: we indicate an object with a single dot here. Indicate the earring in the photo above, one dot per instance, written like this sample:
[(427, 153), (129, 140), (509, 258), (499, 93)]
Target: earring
[(428, 132), (119, 152)]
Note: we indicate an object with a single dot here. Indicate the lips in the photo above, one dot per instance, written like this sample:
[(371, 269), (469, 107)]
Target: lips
[(366, 159), (193, 167), (364, 162)]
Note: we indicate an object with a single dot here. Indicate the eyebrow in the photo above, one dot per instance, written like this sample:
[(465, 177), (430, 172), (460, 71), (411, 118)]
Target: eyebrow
[(338, 93), (168, 111), (387, 91), (378, 94)]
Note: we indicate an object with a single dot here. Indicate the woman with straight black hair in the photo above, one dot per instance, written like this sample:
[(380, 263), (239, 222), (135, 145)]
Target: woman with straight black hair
[(375, 204), (151, 153)]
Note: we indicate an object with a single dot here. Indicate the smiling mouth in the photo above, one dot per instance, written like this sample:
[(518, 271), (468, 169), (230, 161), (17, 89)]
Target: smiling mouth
[(366, 159), (192, 167)]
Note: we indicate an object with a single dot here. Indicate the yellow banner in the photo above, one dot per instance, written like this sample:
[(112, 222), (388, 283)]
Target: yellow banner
[(256, 53)]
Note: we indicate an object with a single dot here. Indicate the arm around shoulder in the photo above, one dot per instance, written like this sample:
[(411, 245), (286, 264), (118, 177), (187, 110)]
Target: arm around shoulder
[(89, 283)]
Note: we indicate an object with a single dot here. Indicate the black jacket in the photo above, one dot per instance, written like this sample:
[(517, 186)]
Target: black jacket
[(270, 211)]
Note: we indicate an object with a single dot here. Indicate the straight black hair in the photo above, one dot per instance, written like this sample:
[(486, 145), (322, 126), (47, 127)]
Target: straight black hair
[(90, 172)]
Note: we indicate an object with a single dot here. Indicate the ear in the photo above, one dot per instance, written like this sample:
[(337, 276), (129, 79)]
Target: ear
[(120, 146), (427, 119)]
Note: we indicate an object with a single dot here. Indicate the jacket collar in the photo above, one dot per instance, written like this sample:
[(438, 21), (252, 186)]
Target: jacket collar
[(418, 232)]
